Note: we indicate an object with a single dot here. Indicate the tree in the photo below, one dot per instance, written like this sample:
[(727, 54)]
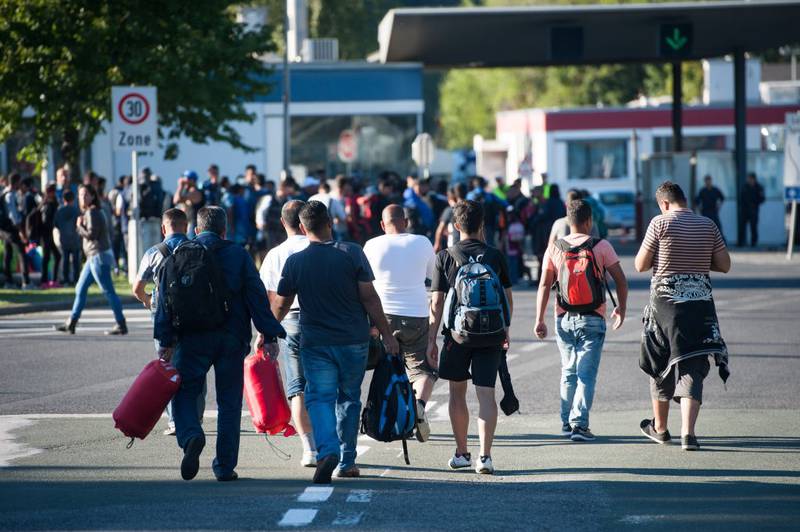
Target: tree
[(59, 59)]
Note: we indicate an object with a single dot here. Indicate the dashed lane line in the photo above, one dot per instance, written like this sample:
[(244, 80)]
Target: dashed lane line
[(315, 494), (347, 518), (297, 517), (360, 496)]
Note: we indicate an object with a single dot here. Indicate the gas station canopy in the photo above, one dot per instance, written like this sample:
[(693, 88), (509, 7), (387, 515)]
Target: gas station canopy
[(585, 34)]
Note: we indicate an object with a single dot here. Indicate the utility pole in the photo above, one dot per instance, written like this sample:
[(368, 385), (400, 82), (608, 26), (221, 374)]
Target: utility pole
[(287, 125)]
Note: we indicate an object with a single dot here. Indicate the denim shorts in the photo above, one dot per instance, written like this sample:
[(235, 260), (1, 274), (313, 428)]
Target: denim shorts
[(294, 380)]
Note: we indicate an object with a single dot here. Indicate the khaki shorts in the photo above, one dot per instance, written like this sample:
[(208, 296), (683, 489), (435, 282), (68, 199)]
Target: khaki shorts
[(412, 335)]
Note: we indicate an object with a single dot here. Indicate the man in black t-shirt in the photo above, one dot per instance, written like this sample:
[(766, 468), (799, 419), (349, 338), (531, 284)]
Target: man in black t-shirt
[(459, 362)]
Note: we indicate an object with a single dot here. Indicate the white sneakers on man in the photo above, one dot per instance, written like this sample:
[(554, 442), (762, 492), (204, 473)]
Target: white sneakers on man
[(309, 459), (484, 466)]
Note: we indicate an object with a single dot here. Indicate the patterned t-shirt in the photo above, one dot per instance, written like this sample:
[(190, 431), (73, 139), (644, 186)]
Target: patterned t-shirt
[(682, 242)]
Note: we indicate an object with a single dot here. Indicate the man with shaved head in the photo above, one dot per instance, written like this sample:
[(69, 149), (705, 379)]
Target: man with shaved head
[(402, 263), (295, 381)]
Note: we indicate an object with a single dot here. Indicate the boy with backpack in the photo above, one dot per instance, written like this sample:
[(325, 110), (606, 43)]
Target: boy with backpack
[(475, 315), (577, 264)]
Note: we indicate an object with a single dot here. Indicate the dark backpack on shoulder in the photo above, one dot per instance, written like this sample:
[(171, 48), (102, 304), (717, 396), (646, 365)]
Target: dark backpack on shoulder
[(391, 410), (196, 294), (151, 201)]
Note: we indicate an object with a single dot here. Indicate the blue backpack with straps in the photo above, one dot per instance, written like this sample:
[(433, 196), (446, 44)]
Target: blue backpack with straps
[(391, 410), (476, 311)]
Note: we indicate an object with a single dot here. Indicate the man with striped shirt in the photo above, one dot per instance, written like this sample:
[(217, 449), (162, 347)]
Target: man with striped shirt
[(680, 322)]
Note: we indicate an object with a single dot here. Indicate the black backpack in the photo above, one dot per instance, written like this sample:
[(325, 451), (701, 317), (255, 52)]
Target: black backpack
[(151, 202), (196, 295), (391, 410)]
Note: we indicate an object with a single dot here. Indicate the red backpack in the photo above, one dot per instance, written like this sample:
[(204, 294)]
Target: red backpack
[(580, 284)]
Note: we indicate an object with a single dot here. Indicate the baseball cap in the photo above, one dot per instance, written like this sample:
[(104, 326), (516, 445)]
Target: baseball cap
[(190, 174), (310, 182)]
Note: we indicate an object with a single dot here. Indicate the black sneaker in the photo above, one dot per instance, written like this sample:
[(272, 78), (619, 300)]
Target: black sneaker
[(423, 431), (190, 464), (229, 478), (119, 329), (581, 434), (648, 427), (67, 327), (566, 429), (325, 467), (689, 443)]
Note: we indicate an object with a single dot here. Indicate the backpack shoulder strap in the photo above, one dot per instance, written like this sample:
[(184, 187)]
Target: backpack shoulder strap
[(163, 249)]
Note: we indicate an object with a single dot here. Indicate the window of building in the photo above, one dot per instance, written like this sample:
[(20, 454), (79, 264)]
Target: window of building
[(597, 159), (694, 143)]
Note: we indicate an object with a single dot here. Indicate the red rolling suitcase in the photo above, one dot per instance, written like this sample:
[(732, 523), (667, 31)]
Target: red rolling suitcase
[(146, 400), (266, 400)]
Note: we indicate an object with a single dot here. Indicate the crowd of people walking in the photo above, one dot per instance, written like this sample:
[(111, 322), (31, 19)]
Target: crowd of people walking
[(402, 263)]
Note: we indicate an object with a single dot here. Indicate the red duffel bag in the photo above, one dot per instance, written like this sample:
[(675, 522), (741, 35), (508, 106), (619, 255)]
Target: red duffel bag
[(266, 400), (146, 400)]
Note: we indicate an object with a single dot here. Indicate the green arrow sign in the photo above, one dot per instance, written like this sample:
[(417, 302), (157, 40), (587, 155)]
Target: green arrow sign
[(675, 40)]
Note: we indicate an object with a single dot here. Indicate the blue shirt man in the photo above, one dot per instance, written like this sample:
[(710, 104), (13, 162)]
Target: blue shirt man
[(412, 199), (225, 348)]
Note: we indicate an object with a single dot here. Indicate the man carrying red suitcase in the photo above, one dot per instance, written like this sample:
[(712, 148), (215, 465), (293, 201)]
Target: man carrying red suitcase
[(209, 293)]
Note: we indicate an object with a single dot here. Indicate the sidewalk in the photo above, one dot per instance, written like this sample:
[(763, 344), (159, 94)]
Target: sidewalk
[(17, 301)]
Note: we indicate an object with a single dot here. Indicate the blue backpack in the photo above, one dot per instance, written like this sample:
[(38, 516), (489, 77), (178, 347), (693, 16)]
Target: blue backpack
[(391, 410), (476, 310)]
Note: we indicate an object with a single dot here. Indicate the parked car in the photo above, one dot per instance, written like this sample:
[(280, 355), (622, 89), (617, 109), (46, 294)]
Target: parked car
[(619, 206)]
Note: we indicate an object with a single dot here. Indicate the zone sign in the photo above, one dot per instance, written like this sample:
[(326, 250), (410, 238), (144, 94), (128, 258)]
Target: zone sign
[(135, 118)]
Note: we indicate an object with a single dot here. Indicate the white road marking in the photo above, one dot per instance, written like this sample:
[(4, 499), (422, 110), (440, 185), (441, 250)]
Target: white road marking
[(10, 449), (360, 496), (386, 472), (315, 494), (362, 449), (641, 519), (298, 517), (347, 518)]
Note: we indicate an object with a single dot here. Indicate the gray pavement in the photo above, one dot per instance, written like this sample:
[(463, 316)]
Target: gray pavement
[(64, 466)]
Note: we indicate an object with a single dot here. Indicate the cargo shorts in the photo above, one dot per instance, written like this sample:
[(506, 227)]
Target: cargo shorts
[(412, 335)]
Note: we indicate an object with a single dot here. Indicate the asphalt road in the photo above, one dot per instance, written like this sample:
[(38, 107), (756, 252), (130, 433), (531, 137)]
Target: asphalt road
[(64, 466)]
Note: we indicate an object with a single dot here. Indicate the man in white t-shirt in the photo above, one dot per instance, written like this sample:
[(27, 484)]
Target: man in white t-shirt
[(401, 263), (295, 381)]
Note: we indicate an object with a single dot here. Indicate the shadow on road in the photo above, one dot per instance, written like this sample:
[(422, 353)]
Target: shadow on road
[(403, 504)]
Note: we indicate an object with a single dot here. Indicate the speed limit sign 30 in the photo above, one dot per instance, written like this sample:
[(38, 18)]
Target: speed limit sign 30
[(135, 118)]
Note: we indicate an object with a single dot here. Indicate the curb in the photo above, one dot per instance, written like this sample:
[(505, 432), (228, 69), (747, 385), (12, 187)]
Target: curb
[(30, 308)]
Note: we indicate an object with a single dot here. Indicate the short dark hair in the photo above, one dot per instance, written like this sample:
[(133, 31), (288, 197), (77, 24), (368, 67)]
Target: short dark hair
[(578, 212), (68, 196), (213, 219), (671, 192), (250, 167), (314, 216), (459, 191), (173, 217), (468, 215), (14, 179), (290, 213)]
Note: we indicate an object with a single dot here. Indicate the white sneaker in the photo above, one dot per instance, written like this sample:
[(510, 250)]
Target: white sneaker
[(460, 461), (309, 459), (170, 430), (484, 466)]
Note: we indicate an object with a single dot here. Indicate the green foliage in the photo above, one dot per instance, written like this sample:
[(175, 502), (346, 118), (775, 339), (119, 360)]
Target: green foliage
[(59, 59)]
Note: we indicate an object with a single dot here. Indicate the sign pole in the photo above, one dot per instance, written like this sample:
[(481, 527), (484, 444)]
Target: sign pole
[(134, 232), (792, 225)]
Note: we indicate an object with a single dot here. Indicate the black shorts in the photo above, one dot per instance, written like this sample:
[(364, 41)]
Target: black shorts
[(459, 363)]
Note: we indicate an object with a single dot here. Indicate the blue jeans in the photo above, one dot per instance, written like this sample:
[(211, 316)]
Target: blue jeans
[(580, 340), (333, 397), (195, 354), (201, 399), (295, 381), (97, 269)]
